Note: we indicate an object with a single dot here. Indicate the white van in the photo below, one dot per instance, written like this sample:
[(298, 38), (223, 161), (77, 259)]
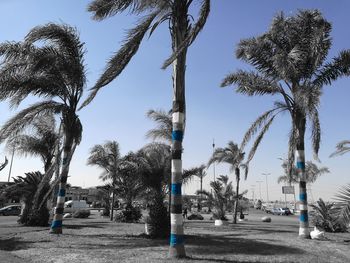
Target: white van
[(72, 205)]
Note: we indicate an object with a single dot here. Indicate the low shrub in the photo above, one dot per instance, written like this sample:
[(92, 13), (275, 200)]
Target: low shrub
[(324, 217), (128, 215), (81, 213), (195, 216)]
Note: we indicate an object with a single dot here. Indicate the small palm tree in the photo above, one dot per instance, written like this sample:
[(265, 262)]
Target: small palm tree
[(290, 61), (49, 64), (221, 196), (183, 33), (25, 189), (107, 157), (155, 162), (233, 156)]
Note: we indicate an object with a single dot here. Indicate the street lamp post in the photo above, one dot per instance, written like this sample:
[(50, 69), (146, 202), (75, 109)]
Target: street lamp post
[(267, 187), (259, 182), (213, 155)]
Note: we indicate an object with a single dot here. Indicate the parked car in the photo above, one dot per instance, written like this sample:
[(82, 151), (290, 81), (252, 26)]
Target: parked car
[(285, 211), (11, 210), (276, 211)]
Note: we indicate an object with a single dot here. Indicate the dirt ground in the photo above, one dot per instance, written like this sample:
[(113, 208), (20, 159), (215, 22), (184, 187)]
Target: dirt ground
[(98, 240)]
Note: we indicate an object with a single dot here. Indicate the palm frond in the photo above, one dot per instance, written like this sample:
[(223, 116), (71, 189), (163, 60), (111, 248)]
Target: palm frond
[(259, 138), (342, 148), (340, 66), (251, 83), (343, 204), (21, 120), (122, 57), (164, 125)]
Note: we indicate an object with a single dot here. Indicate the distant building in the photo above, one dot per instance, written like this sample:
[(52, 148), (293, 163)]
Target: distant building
[(90, 195)]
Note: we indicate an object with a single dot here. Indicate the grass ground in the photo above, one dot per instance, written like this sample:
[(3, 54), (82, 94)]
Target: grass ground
[(99, 240)]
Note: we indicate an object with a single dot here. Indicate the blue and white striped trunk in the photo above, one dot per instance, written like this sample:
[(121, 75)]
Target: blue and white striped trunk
[(177, 248), (303, 218)]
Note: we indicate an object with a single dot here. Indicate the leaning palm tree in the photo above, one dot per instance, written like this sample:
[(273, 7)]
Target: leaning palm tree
[(233, 156), (108, 158), (183, 33), (40, 139), (50, 65), (290, 61)]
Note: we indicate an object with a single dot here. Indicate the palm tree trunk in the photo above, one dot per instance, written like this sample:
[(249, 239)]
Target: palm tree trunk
[(201, 195), (56, 226), (300, 163), (179, 30), (237, 172), (112, 205)]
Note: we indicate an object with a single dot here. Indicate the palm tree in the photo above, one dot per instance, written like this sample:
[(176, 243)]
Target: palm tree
[(183, 33), (200, 173), (53, 69), (107, 157), (290, 61), (164, 125), (155, 172), (221, 196), (39, 139), (233, 156), (25, 188)]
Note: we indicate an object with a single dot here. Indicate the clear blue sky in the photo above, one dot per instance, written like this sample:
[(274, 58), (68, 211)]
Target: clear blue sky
[(118, 112)]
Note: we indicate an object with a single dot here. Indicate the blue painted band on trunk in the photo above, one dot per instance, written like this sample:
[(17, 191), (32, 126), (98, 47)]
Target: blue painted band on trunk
[(56, 224), (177, 135), (176, 189), (176, 239), (301, 165), (304, 218), (302, 197), (62, 192)]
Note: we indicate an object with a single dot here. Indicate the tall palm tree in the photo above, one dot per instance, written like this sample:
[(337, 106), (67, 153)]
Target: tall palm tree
[(200, 173), (108, 158), (49, 64), (233, 156), (290, 61), (183, 33)]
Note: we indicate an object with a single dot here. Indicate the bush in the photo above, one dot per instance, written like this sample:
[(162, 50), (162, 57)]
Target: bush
[(81, 213), (195, 216), (325, 218), (128, 215), (158, 220)]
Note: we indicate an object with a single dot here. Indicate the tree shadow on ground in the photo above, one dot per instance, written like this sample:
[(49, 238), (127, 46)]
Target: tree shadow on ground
[(82, 226), (15, 243), (209, 244)]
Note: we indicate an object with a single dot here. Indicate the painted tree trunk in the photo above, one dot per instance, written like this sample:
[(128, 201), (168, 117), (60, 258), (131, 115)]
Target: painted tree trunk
[(201, 196), (179, 31), (56, 226), (303, 219), (112, 205), (235, 210), (300, 124)]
